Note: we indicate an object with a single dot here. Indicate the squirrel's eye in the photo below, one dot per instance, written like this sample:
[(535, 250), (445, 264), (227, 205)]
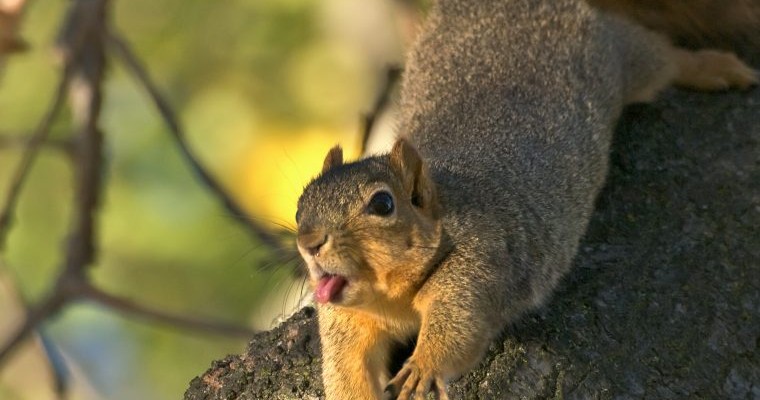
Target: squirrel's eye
[(380, 204), (298, 215)]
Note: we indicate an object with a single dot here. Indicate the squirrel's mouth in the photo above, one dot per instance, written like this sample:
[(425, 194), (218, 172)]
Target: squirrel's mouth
[(329, 288)]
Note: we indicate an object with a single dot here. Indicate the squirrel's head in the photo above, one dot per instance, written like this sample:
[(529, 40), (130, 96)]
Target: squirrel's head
[(369, 230)]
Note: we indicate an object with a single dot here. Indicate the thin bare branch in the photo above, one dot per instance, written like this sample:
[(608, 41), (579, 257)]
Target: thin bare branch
[(368, 120), (81, 48), (55, 362), (46, 308), (83, 57), (29, 155), (8, 142), (126, 306), (69, 48), (125, 54), (86, 23)]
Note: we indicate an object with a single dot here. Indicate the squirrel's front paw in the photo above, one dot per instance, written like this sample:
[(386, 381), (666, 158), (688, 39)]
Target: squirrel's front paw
[(414, 380)]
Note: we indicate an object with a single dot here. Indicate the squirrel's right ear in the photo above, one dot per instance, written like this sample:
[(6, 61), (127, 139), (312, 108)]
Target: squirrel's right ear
[(414, 176), (334, 158)]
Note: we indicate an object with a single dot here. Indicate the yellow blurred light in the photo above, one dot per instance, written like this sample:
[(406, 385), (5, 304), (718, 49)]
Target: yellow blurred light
[(275, 169)]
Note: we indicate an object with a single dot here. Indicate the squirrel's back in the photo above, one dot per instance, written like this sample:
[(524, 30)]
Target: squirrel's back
[(512, 105)]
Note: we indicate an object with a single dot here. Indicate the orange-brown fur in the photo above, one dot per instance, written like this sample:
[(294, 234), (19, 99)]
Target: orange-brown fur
[(711, 70)]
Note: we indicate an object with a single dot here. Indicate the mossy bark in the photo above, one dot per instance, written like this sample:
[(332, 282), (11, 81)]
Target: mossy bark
[(663, 301)]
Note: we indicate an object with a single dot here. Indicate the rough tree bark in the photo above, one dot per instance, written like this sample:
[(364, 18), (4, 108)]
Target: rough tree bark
[(664, 298)]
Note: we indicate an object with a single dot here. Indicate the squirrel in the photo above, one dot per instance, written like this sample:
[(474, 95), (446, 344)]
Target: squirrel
[(472, 218)]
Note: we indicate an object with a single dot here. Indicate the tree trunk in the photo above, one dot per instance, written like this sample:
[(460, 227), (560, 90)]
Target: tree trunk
[(663, 301)]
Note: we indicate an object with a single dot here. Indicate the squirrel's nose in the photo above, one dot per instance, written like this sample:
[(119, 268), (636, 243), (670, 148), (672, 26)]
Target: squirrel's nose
[(312, 242)]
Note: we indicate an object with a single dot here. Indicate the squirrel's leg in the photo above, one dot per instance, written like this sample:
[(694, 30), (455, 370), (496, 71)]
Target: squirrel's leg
[(704, 70), (710, 70), (354, 354), (651, 63), (452, 339), (457, 326)]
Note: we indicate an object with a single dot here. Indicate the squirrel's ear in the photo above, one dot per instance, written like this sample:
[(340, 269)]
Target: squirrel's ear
[(334, 158), (408, 164)]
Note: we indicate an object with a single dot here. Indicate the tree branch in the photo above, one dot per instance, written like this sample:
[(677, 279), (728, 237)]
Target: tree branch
[(128, 58), (86, 23), (81, 49), (50, 306), (55, 362), (662, 302), (27, 159), (133, 309), (11, 141), (393, 73)]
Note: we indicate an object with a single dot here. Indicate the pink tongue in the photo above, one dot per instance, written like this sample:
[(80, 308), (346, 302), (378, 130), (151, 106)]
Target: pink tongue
[(328, 287)]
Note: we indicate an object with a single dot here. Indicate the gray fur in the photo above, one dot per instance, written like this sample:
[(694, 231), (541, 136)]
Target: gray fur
[(512, 105)]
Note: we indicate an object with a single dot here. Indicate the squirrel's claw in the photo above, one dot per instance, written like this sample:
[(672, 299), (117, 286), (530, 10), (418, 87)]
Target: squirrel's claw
[(413, 380), (390, 392)]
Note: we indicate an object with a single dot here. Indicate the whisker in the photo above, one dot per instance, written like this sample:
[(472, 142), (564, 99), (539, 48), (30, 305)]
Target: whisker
[(275, 221), (281, 262), (300, 293), (287, 297)]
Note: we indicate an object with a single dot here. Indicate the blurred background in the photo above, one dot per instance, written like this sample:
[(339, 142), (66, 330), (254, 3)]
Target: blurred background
[(263, 88)]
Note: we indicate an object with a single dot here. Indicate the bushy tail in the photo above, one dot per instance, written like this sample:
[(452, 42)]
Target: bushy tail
[(720, 23)]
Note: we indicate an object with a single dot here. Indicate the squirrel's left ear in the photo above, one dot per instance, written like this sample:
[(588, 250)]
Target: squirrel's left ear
[(415, 178), (334, 158)]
